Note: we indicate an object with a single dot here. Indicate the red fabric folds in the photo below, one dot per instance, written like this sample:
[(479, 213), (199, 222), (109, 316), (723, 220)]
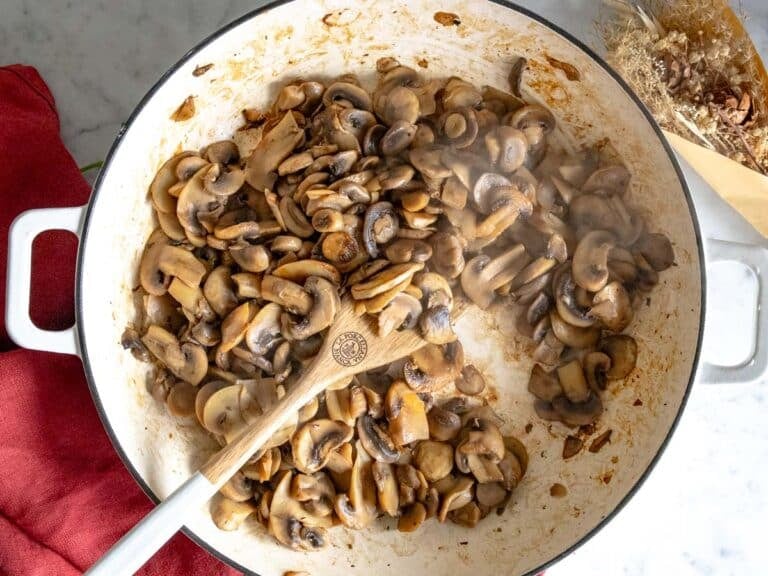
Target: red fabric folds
[(65, 496)]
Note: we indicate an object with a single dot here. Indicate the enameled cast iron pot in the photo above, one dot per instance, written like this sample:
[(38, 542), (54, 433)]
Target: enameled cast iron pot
[(304, 38)]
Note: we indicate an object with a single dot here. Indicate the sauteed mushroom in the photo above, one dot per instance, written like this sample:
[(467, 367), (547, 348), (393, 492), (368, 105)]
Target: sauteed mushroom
[(411, 200)]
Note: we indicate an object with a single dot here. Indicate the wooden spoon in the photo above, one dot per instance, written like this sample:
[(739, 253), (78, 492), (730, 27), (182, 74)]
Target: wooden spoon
[(351, 346)]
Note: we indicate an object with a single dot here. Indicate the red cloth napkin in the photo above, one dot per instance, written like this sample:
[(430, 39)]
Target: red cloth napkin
[(65, 496)]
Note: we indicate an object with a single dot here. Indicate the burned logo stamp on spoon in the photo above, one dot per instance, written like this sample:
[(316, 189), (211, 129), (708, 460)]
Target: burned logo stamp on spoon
[(349, 348)]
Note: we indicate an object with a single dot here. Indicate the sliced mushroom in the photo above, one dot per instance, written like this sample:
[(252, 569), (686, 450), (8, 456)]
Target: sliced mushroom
[(566, 301), (385, 280), (376, 441), (471, 381), (397, 138), (491, 494), (314, 441), (401, 313), (612, 307), (544, 385), (219, 290), (433, 459), (611, 179), (357, 509), (287, 520), (287, 294), (181, 399), (275, 146), (379, 227), (345, 92), (596, 367), (436, 326), (622, 351), (574, 336), (386, 486), (459, 495), (580, 414), (222, 183), (412, 517), (483, 275), (467, 516), (444, 425), (573, 382), (238, 488), (187, 361), (221, 412), (325, 306), (408, 250), (590, 260), (230, 514), (406, 414), (657, 250)]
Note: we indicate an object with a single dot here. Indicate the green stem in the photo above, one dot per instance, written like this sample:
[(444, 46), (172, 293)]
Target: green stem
[(92, 166)]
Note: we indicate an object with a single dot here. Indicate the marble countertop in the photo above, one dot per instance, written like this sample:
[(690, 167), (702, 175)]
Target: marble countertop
[(703, 509)]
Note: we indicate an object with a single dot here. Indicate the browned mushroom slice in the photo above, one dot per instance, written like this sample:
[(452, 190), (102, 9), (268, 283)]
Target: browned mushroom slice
[(471, 381), (443, 424), (274, 147), (596, 367), (325, 306), (458, 495), (657, 250), (432, 366), (288, 520), (397, 138), (402, 312), (448, 254), (612, 307), (573, 382), (436, 325), (467, 516), (491, 494), (235, 326), (611, 179), (379, 227), (238, 488), (622, 351), (580, 414), (314, 441), (483, 275), (566, 302), (590, 260), (435, 289), (187, 361), (345, 92), (574, 336), (357, 509), (222, 183), (230, 514), (376, 441), (433, 459), (544, 385), (427, 161), (193, 201), (406, 414), (412, 517), (460, 127), (385, 280), (181, 399), (460, 94), (219, 290), (163, 180), (287, 294), (221, 412)]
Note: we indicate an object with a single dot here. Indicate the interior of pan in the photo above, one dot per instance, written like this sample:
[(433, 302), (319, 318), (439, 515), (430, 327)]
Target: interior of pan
[(321, 39)]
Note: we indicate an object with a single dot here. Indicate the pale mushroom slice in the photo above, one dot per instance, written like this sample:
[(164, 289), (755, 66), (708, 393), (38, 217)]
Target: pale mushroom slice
[(187, 361), (401, 313), (263, 332), (163, 180), (357, 509), (229, 514), (482, 275), (192, 202), (221, 413), (314, 441)]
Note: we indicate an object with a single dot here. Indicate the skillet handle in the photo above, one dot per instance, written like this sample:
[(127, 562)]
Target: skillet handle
[(24, 229), (754, 368)]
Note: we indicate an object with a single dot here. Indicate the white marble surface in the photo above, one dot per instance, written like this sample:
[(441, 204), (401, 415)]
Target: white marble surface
[(702, 511)]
